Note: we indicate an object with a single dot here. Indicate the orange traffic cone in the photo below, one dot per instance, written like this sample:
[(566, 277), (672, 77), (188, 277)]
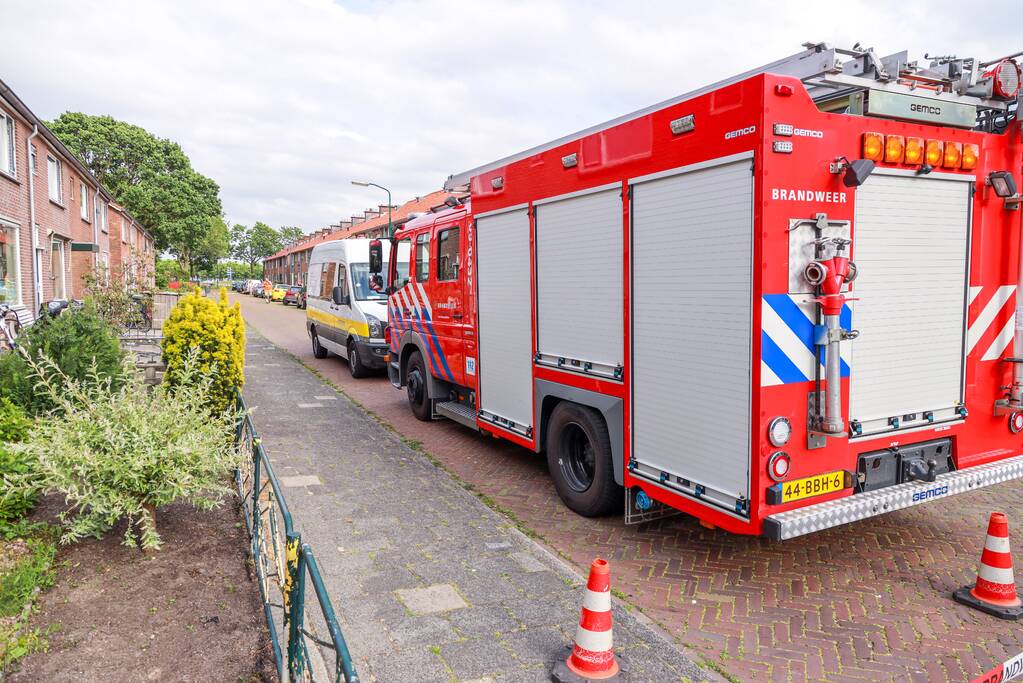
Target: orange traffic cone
[(995, 590), (592, 657)]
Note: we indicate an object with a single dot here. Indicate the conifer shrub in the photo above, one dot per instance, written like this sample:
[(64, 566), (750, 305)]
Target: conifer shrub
[(215, 334)]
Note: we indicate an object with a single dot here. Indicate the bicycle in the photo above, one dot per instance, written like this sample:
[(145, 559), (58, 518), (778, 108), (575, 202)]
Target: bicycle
[(10, 327)]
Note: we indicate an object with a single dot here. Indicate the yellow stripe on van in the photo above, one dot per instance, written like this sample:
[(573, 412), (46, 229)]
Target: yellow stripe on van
[(338, 322)]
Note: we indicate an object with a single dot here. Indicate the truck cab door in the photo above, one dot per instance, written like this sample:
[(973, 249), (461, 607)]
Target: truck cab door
[(399, 313), (447, 294)]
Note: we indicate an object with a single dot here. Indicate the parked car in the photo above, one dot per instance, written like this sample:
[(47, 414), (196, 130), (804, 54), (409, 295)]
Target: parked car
[(278, 292), (254, 287), (302, 300), (238, 285), (347, 308), (291, 296)]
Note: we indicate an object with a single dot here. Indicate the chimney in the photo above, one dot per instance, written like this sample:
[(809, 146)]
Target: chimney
[(357, 219)]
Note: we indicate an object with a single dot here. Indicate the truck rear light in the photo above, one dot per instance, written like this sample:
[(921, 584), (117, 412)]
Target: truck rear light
[(779, 431), (387, 335), (971, 153), (873, 146), (779, 465), (953, 155), (933, 152), (914, 151), (1005, 79), (894, 149)]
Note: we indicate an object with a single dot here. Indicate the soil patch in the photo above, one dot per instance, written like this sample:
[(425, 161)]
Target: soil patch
[(189, 612)]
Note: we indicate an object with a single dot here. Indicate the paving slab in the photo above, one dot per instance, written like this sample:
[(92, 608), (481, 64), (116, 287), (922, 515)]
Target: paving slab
[(428, 582)]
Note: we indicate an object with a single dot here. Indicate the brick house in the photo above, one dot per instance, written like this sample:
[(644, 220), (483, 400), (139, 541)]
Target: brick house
[(289, 265), (43, 183)]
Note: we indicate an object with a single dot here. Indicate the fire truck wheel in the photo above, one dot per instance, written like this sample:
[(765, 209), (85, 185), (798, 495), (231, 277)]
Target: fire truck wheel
[(355, 365), (318, 351), (580, 460), (415, 385)]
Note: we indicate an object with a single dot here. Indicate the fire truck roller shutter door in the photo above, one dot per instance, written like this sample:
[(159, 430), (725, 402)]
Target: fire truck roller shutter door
[(691, 336), (579, 281), (911, 249), (504, 319)]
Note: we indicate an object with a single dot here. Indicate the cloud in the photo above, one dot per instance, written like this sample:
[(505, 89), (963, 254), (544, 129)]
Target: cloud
[(284, 103)]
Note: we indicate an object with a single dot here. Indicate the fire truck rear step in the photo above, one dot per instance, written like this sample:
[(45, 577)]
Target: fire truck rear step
[(459, 412), (859, 506)]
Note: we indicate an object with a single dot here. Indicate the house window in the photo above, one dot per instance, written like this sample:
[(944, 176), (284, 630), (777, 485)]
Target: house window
[(54, 179), (423, 257), (84, 209), (101, 215), (9, 290), (124, 230), (447, 254), (57, 269), (7, 155), (32, 159)]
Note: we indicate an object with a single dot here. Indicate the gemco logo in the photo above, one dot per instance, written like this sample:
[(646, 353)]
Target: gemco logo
[(807, 133), (739, 132), (930, 493)]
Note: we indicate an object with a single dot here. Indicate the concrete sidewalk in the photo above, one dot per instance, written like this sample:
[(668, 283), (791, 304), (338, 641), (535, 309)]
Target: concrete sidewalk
[(429, 583)]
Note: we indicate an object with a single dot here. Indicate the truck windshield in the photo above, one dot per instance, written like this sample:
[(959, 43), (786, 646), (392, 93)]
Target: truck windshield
[(364, 289)]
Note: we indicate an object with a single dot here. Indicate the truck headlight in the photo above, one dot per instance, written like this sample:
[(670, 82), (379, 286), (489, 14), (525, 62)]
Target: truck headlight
[(376, 328)]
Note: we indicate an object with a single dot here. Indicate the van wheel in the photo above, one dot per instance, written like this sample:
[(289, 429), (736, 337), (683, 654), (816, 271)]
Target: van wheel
[(318, 351), (415, 386), (355, 364), (580, 461)]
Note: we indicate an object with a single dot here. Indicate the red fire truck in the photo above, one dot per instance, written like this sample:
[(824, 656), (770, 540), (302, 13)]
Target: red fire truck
[(780, 303)]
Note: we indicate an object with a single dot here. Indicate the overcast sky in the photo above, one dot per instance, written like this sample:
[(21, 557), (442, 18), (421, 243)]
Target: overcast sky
[(284, 102)]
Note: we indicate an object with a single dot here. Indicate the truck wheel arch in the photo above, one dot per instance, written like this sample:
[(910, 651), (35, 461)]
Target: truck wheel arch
[(547, 395), (413, 341)]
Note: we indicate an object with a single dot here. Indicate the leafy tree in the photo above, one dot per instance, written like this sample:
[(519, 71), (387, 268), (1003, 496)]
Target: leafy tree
[(150, 176), (213, 246), (290, 234), (254, 244)]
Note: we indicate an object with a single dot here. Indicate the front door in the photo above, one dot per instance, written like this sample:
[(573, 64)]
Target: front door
[(448, 299)]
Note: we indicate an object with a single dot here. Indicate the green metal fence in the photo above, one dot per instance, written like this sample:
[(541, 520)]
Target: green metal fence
[(283, 565)]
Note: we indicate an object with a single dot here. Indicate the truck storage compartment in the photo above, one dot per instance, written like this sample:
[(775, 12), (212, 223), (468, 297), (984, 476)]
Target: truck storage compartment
[(692, 234)]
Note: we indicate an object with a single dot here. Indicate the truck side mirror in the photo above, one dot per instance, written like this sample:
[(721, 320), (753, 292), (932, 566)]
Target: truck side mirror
[(339, 297), (376, 256)]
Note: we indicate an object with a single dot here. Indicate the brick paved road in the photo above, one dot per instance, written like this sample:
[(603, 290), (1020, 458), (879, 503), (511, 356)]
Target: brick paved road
[(864, 602)]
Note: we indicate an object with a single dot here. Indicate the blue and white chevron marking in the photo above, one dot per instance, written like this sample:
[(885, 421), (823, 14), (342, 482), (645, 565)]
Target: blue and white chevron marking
[(786, 339)]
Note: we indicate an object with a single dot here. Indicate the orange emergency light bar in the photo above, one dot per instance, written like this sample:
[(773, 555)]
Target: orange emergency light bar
[(912, 151)]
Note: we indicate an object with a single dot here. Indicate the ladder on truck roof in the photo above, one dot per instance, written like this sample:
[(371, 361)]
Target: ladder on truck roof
[(836, 84)]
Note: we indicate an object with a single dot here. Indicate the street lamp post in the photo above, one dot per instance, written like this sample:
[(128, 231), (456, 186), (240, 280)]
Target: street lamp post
[(390, 226)]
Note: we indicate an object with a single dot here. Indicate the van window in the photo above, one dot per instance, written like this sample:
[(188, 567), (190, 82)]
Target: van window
[(327, 274), (342, 280), (447, 255), (423, 257)]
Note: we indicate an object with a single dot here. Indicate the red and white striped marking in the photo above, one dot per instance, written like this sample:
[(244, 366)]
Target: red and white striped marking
[(1009, 670), (995, 581), (592, 655), (992, 318)]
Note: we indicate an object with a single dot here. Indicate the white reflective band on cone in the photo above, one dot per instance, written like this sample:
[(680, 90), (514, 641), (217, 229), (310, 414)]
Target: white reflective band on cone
[(995, 574), (597, 602), (997, 544), (594, 641)]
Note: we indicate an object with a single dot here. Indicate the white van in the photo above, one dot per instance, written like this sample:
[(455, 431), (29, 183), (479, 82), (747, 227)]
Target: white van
[(347, 309)]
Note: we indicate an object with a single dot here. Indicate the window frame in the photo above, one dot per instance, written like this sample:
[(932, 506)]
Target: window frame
[(15, 231), (9, 133), (440, 243), (54, 162), (421, 246), (83, 211)]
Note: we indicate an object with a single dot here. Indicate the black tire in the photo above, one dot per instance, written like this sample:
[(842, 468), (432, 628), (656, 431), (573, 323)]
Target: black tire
[(580, 461), (318, 351), (415, 387), (355, 364)]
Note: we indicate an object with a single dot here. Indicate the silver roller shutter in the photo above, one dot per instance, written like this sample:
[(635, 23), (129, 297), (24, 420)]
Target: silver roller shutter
[(691, 305), (579, 247), (505, 325), (910, 248)]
